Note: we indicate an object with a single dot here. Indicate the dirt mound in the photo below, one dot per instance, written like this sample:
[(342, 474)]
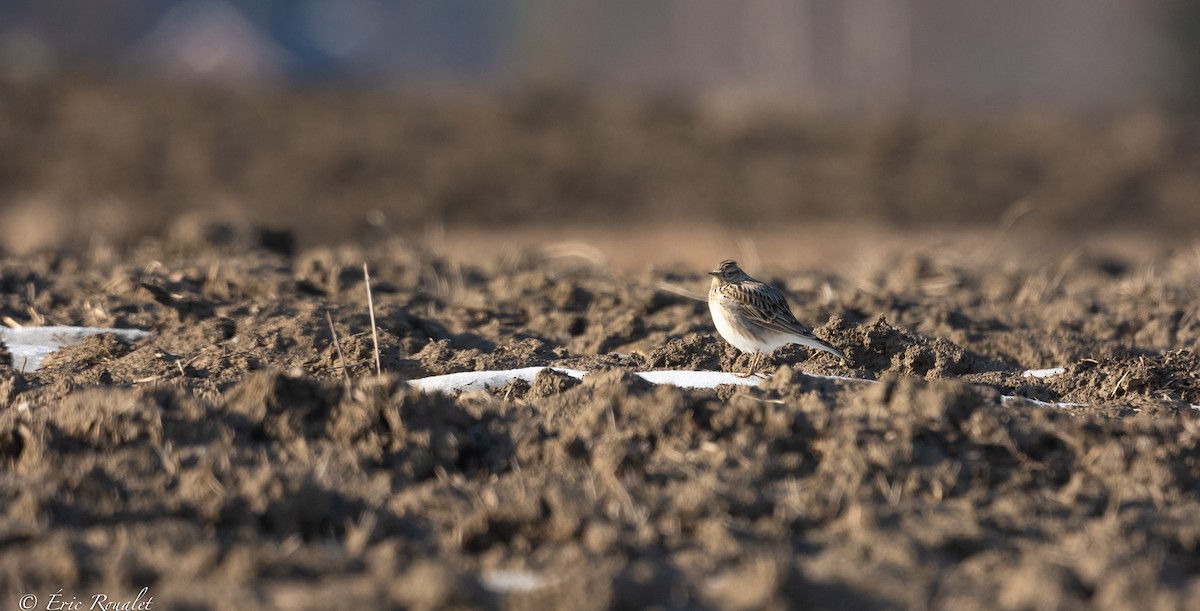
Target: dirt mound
[(89, 353), (550, 382), (12, 383), (6, 361), (1172, 377), (705, 352), (881, 348)]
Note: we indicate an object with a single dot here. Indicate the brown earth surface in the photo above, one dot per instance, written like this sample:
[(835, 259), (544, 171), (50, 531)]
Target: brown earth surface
[(225, 462)]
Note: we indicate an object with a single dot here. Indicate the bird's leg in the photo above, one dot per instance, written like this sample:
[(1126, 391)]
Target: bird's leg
[(753, 366), (758, 359), (762, 356)]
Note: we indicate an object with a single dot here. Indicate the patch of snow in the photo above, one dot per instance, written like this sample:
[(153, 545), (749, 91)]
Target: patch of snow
[(1043, 373), (1007, 398), (29, 345), (839, 378), (697, 379), (511, 581), (483, 380)]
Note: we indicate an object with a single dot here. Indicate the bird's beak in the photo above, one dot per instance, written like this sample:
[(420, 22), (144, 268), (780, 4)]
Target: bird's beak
[(714, 273)]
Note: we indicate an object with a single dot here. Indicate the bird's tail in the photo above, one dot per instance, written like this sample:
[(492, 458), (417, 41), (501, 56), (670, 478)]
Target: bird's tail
[(815, 342)]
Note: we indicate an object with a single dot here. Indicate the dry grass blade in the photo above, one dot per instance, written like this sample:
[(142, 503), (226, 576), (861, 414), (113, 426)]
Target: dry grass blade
[(747, 248), (577, 250), (1018, 210), (337, 343), (675, 289), (358, 533), (371, 309)]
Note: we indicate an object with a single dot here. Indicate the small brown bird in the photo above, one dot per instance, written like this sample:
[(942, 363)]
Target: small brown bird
[(755, 317)]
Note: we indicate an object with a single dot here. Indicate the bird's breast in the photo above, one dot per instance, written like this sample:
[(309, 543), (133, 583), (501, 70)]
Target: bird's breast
[(731, 329)]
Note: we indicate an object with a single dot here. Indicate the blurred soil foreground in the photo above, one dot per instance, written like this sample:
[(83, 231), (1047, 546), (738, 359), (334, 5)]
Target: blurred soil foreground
[(226, 460)]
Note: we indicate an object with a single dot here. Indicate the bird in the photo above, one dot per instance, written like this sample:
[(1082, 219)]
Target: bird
[(755, 317)]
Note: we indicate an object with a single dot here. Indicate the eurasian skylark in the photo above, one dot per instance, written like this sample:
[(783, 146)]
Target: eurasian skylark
[(755, 317)]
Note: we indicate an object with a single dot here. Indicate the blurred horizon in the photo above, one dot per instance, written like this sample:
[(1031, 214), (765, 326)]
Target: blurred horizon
[(857, 55), (363, 119)]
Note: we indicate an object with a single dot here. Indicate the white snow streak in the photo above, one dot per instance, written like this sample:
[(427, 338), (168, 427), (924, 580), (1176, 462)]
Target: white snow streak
[(483, 380), (29, 345)]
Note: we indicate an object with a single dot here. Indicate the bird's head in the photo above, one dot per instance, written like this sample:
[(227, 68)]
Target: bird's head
[(728, 272)]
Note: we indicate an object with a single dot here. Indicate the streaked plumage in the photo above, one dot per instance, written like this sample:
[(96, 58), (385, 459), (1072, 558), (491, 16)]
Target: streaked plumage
[(755, 317)]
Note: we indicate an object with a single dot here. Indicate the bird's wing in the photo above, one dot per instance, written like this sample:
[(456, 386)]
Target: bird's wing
[(765, 305)]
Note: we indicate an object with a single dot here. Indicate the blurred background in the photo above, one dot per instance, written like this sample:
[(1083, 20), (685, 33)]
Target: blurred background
[(529, 120)]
